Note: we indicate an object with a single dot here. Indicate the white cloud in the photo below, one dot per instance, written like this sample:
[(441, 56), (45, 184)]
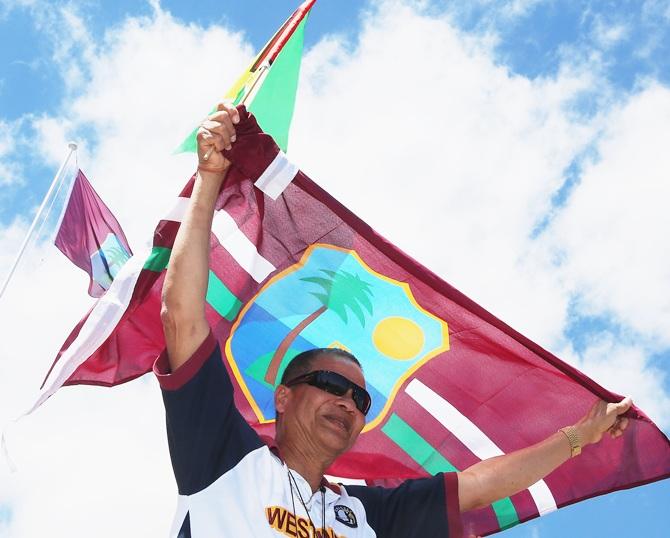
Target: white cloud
[(145, 93), (612, 232), (88, 452), (607, 34), (519, 8), (10, 169), (6, 6), (93, 452), (624, 369), (460, 157), (11, 238), (656, 9), (493, 13), (416, 129)]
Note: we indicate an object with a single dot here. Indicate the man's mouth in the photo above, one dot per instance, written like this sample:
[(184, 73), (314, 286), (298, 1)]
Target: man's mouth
[(339, 422)]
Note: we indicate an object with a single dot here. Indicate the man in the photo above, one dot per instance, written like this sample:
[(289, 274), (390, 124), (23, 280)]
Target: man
[(232, 484)]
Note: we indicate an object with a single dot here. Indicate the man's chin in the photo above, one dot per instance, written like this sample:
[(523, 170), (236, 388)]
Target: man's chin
[(335, 440)]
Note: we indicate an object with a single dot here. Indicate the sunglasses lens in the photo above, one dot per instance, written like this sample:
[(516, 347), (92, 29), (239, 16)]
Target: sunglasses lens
[(339, 385), (332, 383), (362, 400)]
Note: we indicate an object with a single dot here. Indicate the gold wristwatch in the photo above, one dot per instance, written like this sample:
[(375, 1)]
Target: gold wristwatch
[(575, 440)]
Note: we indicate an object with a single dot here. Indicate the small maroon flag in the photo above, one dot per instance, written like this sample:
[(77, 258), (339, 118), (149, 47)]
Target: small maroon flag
[(291, 269), (91, 237)]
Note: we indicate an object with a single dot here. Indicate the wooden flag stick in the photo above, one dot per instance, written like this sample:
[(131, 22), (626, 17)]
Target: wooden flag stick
[(264, 68)]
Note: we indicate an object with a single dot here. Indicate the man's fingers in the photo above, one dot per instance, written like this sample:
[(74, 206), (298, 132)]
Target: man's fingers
[(206, 141), (210, 139), (226, 110), (229, 107), (623, 406), (225, 120), (224, 117), (222, 122), (621, 425), (218, 128), (618, 427)]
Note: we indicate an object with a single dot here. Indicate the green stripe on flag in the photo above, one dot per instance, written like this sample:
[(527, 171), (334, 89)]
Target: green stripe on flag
[(274, 102), (416, 446), (221, 299), (158, 259), (422, 452), (505, 513)]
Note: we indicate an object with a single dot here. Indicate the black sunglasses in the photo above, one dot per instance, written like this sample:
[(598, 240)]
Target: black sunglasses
[(336, 384)]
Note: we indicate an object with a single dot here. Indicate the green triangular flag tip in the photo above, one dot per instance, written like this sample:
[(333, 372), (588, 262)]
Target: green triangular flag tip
[(274, 101)]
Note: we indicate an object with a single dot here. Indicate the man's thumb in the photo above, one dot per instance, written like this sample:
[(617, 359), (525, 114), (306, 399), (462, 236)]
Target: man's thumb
[(623, 406)]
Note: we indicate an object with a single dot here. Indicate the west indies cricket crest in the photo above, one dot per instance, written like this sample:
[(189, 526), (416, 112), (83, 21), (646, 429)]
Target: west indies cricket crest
[(332, 298)]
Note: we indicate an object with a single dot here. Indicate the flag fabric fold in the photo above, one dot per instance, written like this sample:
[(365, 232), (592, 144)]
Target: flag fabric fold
[(291, 269), (91, 237)]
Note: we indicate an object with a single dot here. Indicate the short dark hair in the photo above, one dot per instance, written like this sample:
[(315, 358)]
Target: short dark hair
[(302, 362)]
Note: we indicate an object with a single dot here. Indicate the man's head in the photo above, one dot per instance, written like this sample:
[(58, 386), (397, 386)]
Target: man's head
[(311, 409), (303, 362)]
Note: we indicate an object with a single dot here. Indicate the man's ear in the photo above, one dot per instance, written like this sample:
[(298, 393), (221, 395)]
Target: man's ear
[(282, 395)]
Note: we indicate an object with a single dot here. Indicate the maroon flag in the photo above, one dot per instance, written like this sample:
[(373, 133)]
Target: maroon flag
[(291, 269), (91, 237)]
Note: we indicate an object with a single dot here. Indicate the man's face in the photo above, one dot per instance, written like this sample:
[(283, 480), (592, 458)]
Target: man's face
[(332, 423)]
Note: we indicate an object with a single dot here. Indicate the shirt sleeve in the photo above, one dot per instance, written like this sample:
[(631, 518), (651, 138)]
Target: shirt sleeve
[(415, 509), (207, 435)]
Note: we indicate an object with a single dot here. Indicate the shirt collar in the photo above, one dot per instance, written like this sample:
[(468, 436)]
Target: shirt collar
[(274, 448)]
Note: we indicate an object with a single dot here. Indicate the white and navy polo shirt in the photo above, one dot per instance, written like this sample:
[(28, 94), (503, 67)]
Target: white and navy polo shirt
[(232, 484)]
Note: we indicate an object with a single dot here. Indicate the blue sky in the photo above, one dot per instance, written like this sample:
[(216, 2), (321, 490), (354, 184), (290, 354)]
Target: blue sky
[(550, 178)]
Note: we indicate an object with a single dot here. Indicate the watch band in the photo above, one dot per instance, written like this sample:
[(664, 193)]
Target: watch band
[(575, 440)]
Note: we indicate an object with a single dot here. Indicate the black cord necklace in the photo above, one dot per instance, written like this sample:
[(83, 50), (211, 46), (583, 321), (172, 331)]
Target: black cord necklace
[(291, 482)]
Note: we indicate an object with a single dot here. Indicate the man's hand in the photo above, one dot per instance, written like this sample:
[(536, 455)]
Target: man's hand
[(602, 418), (503, 476), (215, 134)]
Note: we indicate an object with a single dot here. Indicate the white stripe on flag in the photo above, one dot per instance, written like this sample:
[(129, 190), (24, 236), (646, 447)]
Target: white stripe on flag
[(277, 176), (472, 437), (178, 210), (232, 239), (238, 245), (99, 324)]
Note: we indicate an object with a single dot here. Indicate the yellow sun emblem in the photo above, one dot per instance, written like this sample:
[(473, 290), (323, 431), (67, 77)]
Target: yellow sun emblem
[(398, 338)]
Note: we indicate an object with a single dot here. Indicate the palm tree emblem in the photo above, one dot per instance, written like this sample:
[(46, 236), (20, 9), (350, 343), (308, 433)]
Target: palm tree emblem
[(116, 255), (340, 291), (113, 258)]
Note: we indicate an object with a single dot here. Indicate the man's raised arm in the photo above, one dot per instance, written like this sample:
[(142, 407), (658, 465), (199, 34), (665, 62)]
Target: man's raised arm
[(503, 476), (185, 286)]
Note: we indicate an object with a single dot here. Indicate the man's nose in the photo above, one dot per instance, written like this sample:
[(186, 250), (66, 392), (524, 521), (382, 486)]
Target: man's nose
[(347, 400)]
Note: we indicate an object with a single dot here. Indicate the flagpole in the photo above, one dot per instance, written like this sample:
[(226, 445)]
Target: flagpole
[(73, 147), (264, 70)]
